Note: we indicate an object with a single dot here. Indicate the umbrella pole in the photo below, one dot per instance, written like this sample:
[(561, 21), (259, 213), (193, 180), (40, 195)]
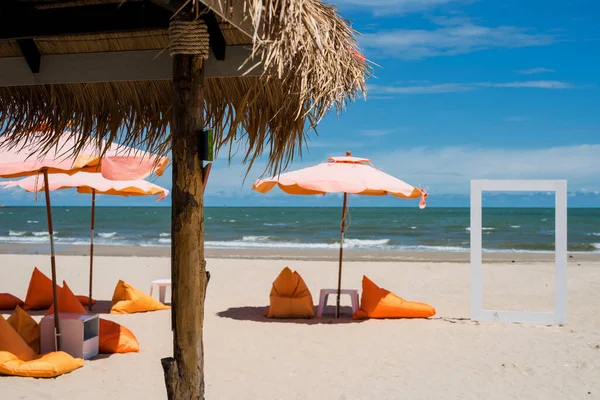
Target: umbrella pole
[(52, 260), (343, 229), (92, 247)]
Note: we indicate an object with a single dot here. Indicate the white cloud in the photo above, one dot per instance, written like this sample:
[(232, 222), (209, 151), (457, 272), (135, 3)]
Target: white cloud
[(531, 84), (451, 40), (442, 171), (449, 170), (464, 87), (532, 71), (386, 7)]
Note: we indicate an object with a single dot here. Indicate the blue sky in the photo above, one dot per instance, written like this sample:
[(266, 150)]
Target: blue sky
[(465, 89)]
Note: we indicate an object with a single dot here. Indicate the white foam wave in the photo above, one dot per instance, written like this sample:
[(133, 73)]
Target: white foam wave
[(266, 242), (15, 233), (107, 235), (255, 239), (33, 222), (280, 224), (596, 245), (164, 241), (485, 228), (594, 234), (413, 227), (358, 243), (42, 233), (23, 239), (515, 226), (165, 234)]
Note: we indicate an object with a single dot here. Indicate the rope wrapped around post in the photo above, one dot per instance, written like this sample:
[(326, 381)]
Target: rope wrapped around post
[(188, 37)]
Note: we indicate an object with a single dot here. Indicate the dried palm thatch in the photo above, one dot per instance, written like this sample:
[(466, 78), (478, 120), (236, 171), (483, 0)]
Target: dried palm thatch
[(310, 63)]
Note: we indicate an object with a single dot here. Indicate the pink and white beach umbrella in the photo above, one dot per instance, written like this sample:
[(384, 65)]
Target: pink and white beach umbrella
[(347, 175), (86, 182)]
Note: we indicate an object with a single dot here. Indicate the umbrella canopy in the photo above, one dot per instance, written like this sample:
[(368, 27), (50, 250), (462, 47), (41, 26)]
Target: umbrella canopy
[(347, 175), (118, 162), (352, 175), (86, 182)]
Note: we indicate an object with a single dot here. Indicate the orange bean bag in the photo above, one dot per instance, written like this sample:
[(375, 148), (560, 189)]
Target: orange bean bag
[(49, 365), (12, 342), (290, 297), (115, 338), (39, 294), (67, 302), (9, 302), (85, 300), (26, 327), (377, 302), (127, 300)]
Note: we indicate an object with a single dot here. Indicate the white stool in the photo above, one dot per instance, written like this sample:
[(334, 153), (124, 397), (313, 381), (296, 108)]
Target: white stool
[(325, 295), (162, 285)]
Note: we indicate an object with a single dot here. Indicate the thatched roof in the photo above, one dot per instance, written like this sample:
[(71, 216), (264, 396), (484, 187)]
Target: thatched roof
[(309, 66)]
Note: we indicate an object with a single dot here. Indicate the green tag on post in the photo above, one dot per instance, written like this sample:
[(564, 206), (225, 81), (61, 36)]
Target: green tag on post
[(211, 146)]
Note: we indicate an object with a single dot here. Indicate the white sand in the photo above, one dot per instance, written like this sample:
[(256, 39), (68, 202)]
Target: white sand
[(249, 357)]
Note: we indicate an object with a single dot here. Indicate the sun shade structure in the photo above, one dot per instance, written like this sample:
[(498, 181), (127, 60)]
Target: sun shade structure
[(91, 183), (347, 175), (32, 159), (152, 74)]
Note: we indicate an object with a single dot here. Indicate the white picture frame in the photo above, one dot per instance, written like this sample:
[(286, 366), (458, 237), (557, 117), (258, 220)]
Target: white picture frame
[(559, 316)]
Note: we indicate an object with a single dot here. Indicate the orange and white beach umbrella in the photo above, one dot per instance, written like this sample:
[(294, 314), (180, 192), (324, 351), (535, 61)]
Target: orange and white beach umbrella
[(347, 175)]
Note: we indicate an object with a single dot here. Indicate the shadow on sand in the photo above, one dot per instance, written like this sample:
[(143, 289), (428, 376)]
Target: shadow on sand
[(101, 307), (256, 314)]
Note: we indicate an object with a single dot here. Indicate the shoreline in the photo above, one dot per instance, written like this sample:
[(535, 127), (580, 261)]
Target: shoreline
[(293, 254)]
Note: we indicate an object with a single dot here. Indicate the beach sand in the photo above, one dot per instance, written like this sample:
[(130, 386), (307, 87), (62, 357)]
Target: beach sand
[(250, 357)]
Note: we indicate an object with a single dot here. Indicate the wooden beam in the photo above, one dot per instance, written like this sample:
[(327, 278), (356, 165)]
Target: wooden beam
[(28, 23), (114, 66), (216, 39), (31, 53), (236, 14)]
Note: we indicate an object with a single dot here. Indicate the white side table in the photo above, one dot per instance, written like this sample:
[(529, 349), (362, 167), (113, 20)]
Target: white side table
[(79, 334), (324, 295), (162, 285)]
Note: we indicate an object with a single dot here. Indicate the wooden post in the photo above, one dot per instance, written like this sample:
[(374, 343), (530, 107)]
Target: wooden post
[(93, 223), (184, 372), (52, 261), (343, 229)]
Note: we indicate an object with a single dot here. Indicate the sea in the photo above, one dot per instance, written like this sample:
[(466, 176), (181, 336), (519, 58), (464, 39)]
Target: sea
[(391, 229)]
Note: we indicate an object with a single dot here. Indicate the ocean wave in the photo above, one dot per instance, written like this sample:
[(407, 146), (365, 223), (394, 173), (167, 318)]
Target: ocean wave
[(413, 227), (485, 228), (256, 239), (23, 239), (164, 241), (280, 224), (107, 235), (596, 245), (165, 234), (15, 233), (44, 233), (594, 234), (515, 226), (33, 222)]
